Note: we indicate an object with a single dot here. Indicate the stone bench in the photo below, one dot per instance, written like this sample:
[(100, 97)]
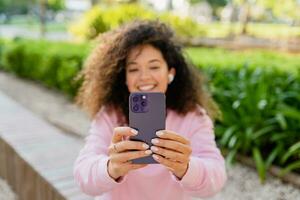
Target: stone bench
[(36, 159)]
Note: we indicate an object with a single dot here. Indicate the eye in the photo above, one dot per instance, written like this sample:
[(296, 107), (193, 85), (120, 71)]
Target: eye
[(154, 67), (132, 70)]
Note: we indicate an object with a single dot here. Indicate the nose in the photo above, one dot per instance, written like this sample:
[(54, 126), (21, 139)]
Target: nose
[(145, 74)]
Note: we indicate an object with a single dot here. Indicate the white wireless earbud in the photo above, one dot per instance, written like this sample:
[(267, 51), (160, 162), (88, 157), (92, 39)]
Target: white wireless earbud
[(171, 78)]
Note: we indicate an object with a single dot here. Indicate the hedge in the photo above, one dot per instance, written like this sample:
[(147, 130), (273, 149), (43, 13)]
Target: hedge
[(100, 19), (257, 91)]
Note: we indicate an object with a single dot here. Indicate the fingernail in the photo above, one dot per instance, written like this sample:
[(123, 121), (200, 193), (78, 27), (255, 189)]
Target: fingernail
[(159, 133), (153, 148), (148, 152), (145, 146), (155, 157), (154, 141), (134, 131)]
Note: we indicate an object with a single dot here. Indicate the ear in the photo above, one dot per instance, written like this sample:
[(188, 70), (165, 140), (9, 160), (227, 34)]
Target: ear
[(171, 75), (172, 71)]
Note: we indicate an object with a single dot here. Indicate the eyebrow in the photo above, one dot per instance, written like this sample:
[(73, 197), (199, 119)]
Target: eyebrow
[(150, 61), (154, 60)]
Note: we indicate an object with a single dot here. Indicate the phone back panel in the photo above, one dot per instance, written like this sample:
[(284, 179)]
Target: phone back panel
[(148, 119)]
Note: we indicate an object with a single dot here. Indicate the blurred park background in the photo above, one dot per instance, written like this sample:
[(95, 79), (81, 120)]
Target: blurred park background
[(248, 49)]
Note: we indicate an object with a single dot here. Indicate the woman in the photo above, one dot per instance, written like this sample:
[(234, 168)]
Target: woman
[(143, 56)]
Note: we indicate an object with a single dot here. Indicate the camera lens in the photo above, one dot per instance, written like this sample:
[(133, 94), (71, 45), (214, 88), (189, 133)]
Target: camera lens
[(144, 103), (135, 99), (136, 108)]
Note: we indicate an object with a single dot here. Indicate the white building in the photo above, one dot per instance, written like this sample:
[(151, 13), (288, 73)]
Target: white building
[(78, 5)]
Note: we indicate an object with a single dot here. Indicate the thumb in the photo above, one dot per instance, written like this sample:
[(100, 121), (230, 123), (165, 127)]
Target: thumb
[(120, 132)]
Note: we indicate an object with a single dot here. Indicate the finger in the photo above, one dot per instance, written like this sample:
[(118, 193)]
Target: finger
[(169, 154), (130, 145), (173, 145), (171, 165), (125, 167), (111, 149), (119, 132), (137, 166), (126, 156), (166, 134)]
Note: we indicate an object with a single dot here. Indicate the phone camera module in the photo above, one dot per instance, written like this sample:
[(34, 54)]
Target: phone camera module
[(136, 108), (144, 103), (135, 99)]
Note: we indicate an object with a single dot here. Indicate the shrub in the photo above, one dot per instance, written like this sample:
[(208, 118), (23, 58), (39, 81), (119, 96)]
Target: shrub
[(53, 64), (259, 95), (101, 19), (259, 98)]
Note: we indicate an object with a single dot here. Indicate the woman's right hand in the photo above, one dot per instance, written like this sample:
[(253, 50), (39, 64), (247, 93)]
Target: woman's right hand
[(122, 151)]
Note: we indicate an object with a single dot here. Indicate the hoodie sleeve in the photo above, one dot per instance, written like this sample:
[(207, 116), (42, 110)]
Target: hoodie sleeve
[(90, 168), (206, 174)]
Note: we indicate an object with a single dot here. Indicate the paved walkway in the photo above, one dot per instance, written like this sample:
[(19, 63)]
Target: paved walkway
[(54, 107), (5, 191), (12, 31)]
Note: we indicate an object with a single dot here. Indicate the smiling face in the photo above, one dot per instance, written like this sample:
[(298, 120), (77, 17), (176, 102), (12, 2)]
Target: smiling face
[(147, 70)]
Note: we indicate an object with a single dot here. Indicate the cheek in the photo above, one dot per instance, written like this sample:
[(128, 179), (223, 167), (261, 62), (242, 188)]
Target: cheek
[(130, 80), (162, 79)]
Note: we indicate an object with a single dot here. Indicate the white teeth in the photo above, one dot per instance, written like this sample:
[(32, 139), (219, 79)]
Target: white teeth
[(146, 87)]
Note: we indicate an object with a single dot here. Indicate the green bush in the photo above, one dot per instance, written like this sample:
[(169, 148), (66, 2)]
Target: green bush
[(183, 26), (265, 59), (260, 114), (56, 5), (53, 64), (101, 19), (259, 95), (90, 25), (257, 91), (2, 45)]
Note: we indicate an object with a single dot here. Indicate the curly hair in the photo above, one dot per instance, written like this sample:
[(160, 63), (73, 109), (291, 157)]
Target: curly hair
[(104, 71)]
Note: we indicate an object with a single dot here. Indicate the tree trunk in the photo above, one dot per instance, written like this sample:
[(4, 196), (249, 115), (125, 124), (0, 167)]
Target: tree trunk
[(245, 18), (170, 5), (231, 31), (42, 18), (94, 2)]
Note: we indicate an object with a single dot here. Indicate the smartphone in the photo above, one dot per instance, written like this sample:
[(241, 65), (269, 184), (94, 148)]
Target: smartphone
[(147, 114)]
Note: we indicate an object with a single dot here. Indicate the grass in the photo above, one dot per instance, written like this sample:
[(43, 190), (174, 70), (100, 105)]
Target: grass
[(222, 58), (213, 30), (33, 23), (261, 30)]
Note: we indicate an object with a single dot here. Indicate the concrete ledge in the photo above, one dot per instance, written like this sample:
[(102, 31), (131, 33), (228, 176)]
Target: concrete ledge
[(36, 158)]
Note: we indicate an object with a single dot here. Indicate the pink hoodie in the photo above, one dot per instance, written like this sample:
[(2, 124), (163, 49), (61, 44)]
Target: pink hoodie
[(205, 176)]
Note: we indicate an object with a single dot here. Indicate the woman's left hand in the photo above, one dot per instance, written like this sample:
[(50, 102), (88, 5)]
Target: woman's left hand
[(173, 151)]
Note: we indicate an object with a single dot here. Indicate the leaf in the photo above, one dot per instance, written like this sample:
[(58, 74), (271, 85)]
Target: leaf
[(262, 131), (281, 120), (232, 141), (278, 136), (290, 167), (230, 157), (290, 112), (295, 147), (259, 163), (227, 134), (273, 155)]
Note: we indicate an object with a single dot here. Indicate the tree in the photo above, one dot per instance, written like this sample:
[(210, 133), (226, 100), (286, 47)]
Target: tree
[(42, 17), (245, 15), (287, 9), (55, 5), (215, 4)]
